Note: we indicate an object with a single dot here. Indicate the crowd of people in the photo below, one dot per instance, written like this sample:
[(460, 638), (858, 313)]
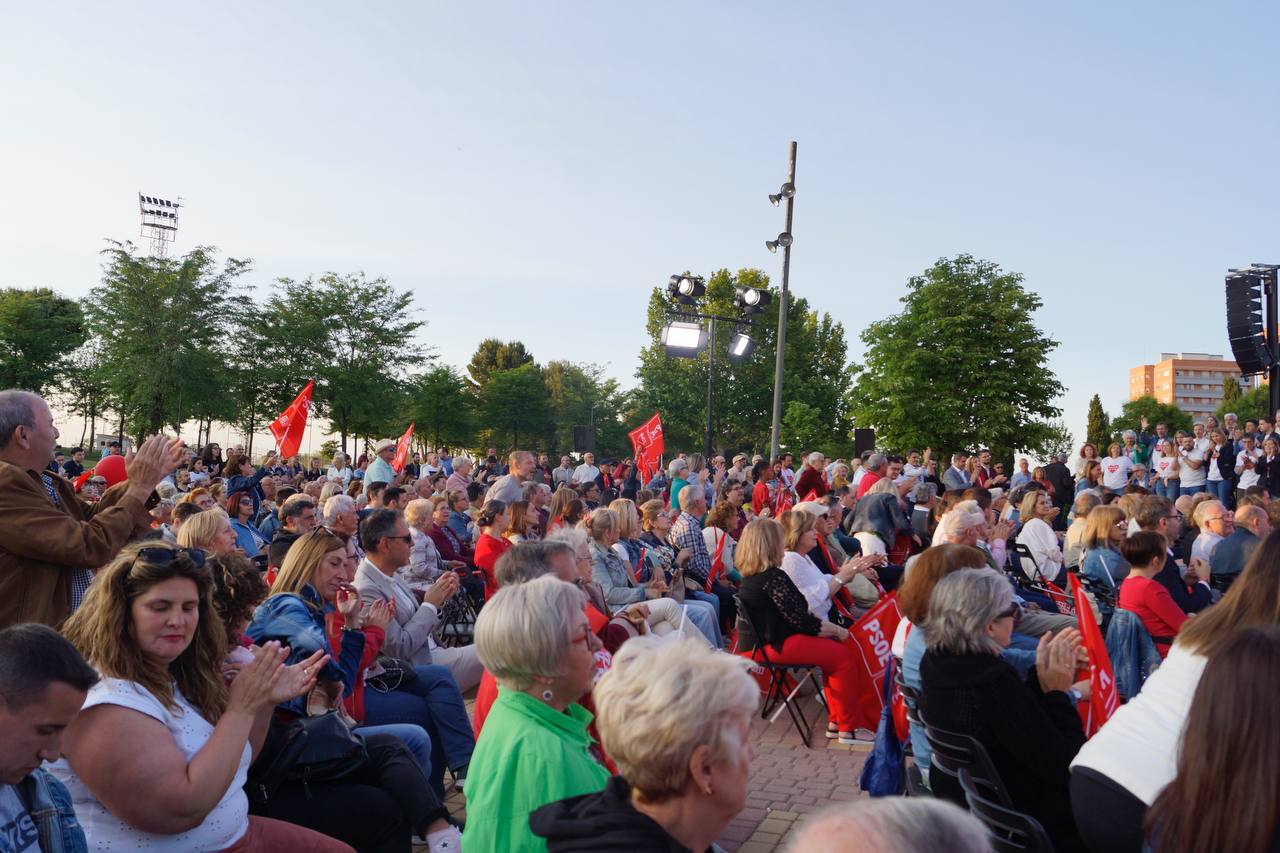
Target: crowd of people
[(201, 653)]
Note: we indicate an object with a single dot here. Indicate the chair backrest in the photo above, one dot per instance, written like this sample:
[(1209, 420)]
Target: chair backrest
[(956, 752), (760, 653), (1010, 830), (910, 694)]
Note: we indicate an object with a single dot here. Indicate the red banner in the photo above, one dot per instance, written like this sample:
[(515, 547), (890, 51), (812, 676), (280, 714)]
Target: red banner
[(646, 442), (1060, 598), (292, 423), (1103, 697), (402, 450), (871, 636)]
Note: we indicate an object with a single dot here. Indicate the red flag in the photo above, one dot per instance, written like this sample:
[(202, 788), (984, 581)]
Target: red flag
[(1103, 697), (402, 450), (871, 636), (646, 441), (292, 423), (812, 496), (1060, 598)]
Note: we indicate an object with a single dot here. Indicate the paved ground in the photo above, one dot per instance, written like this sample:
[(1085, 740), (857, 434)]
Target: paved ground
[(788, 781)]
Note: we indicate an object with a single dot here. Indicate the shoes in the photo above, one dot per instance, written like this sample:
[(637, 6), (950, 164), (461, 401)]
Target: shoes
[(845, 738), (441, 841), (460, 777), (833, 731)]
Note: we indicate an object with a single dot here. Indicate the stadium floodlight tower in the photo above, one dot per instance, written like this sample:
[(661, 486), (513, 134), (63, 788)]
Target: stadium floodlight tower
[(159, 222)]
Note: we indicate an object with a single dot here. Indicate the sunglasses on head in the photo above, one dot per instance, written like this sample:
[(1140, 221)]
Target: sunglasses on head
[(164, 556)]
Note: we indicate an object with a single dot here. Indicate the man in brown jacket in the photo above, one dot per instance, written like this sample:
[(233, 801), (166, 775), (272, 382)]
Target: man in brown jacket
[(50, 540)]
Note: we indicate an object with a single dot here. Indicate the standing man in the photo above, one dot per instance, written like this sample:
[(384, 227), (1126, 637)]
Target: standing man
[(956, 477), (50, 540), (509, 488), (587, 472), (380, 470), (74, 466), (987, 476), (562, 475), (813, 477)]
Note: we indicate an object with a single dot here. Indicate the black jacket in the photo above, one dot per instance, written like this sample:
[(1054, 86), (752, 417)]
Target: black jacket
[(1030, 735), (1191, 600), (1233, 552), (1064, 485), (602, 821)]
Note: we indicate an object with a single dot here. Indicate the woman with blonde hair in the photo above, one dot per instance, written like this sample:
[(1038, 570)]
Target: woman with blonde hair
[(628, 546), (566, 509), (684, 755), (800, 536), (158, 757), (1105, 529), (1037, 512), (210, 531)]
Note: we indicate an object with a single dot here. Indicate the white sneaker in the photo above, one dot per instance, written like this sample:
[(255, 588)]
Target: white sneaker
[(445, 841)]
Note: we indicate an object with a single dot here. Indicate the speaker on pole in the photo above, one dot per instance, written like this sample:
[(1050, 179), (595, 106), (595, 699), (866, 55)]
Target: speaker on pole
[(1245, 329), (863, 440), (584, 439)]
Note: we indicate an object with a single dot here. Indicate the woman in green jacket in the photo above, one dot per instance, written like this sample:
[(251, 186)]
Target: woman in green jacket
[(534, 749)]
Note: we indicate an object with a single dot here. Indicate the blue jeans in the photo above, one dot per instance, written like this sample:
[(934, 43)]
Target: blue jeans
[(433, 702), (1191, 490), (704, 612), (1166, 489), (1221, 489), (414, 737)]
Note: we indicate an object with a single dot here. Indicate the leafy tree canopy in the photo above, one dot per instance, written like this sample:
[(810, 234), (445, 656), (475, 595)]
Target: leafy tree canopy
[(39, 330), (1154, 411)]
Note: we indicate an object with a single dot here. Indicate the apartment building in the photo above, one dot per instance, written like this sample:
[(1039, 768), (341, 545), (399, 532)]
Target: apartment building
[(1192, 381)]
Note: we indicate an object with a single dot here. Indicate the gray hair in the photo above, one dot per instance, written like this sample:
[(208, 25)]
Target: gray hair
[(574, 537), (658, 703), (294, 505), (529, 488), (816, 456), (418, 509), (957, 520), (523, 563), (875, 462), (336, 506), (522, 633), (891, 825), (689, 495), (17, 408), (1085, 503), (1129, 434), (677, 465), (961, 607), (166, 491)]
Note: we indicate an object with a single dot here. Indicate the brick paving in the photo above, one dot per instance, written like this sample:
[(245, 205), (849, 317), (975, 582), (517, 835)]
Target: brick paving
[(788, 781)]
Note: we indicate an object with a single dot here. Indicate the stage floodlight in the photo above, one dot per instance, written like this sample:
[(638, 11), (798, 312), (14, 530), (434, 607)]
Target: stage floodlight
[(741, 346), (784, 240), (751, 300), (787, 191), (686, 289), (684, 340)]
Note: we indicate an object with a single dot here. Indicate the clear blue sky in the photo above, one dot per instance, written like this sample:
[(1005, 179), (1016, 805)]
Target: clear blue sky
[(544, 165)]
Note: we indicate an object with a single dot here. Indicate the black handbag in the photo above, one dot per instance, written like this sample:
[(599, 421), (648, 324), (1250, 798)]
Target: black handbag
[(395, 672), (306, 749)]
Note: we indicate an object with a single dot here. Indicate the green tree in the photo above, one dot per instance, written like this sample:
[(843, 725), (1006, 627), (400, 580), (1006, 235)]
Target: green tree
[(574, 391), (1248, 404), (84, 391), (1154, 411), (514, 405), (443, 406), (164, 325), (1060, 439), (493, 354), (817, 372), (962, 365), (805, 429), (1098, 429), (1230, 393), (39, 330)]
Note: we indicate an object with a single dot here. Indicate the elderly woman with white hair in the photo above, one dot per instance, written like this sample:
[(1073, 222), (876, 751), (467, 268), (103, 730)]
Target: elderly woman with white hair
[(340, 471), (534, 639), (891, 825), (684, 756), (1029, 727), (678, 473)]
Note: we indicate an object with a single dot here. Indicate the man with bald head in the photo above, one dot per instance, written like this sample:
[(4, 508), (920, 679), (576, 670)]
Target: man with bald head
[(50, 540)]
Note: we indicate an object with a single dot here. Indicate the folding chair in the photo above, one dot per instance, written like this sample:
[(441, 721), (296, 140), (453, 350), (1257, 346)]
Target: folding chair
[(780, 693), (1011, 831), (953, 752), (457, 621)]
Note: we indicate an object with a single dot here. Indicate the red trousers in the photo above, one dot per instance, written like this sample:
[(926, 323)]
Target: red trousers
[(267, 835), (840, 667)]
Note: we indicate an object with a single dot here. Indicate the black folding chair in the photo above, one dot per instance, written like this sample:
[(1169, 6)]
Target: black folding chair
[(1011, 831), (916, 786), (783, 690), (457, 621), (953, 752)]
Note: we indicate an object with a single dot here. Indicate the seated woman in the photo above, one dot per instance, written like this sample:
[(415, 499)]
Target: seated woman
[(1037, 512), (620, 589), (684, 755), (1146, 552), (209, 531), (779, 612), (566, 509), (717, 534), (312, 589), (1105, 530), (1029, 728), (878, 518), (522, 524), (628, 547), (930, 567), (240, 513), (492, 521), (535, 640), (158, 756), (819, 588)]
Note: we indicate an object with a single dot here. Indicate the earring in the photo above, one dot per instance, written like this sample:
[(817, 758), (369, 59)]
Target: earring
[(547, 694), (707, 790)]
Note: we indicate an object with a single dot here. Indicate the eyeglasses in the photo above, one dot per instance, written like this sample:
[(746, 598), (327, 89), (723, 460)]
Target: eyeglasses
[(164, 556), (406, 538), (586, 635), (1014, 612)]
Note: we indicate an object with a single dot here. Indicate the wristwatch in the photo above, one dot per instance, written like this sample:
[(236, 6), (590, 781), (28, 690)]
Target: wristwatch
[(1074, 695)]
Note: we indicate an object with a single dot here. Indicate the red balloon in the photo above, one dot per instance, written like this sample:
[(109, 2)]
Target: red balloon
[(111, 469)]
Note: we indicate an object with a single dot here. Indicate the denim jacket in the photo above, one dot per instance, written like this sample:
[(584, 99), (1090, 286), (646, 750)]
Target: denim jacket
[(1133, 653), (289, 619), (49, 806)]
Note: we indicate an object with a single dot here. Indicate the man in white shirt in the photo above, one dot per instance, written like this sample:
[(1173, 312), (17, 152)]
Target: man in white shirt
[(380, 470), (1215, 524), (1191, 470), (1247, 466), (587, 472), (913, 466), (1202, 440)]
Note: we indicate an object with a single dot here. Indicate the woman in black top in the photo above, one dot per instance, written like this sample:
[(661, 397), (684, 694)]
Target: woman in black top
[(1029, 728), (780, 614)]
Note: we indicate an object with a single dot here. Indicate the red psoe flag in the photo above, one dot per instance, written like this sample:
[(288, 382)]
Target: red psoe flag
[(402, 450), (1103, 697), (292, 423), (646, 441)]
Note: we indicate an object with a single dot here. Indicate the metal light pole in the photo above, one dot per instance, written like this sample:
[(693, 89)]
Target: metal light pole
[(711, 367), (1273, 345), (776, 431)]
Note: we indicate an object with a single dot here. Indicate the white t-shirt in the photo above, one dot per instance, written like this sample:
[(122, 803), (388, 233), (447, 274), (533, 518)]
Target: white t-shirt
[(1163, 466), (1214, 473), (1248, 476), (1115, 471), (220, 829), (909, 470), (585, 473), (1192, 476), (1203, 444), (1138, 747)]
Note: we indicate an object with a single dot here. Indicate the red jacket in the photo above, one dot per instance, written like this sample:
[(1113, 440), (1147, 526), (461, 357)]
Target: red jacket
[(488, 550), (811, 481), (373, 638)]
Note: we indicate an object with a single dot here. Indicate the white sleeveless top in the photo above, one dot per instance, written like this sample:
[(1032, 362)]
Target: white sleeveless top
[(220, 829)]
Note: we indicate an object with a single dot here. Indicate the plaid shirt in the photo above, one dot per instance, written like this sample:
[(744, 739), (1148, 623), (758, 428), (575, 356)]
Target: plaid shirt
[(687, 533)]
